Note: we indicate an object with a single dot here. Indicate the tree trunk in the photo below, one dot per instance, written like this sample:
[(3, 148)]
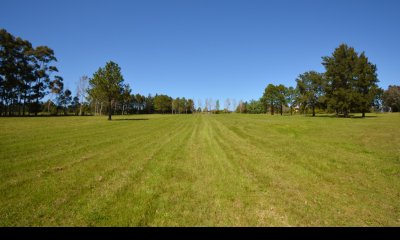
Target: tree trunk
[(346, 113), (291, 110), (101, 108), (272, 110), (29, 103), (36, 107), (109, 109), (313, 111), (80, 110), (19, 105), (9, 106), (23, 105), (363, 113), (48, 106)]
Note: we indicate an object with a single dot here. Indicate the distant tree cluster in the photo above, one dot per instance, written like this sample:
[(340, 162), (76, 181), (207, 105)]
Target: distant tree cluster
[(182, 105), (348, 85), (107, 88), (275, 98)]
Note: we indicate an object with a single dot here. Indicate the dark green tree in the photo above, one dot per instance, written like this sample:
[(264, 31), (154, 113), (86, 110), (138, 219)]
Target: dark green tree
[(140, 102), (271, 98), (175, 105), (351, 81), (162, 103), (190, 105), (340, 75), (125, 97), (75, 105), (43, 58), (310, 85), (281, 95), (366, 80), (292, 95), (182, 105), (64, 99), (56, 87), (149, 104), (255, 107), (16, 73), (107, 84), (391, 98)]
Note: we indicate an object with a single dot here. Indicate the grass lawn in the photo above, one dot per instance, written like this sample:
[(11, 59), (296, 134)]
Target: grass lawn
[(200, 170)]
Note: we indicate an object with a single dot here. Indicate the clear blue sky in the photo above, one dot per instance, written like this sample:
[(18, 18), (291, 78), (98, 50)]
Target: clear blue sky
[(207, 48)]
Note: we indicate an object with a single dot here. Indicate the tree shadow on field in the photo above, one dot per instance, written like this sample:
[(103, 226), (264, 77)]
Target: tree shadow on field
[(130, 119), (321, 116), (364, 117), (340, 116)]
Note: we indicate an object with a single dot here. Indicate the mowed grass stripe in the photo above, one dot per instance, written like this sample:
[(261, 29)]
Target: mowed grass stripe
[(142, 191), (307, 166), (86, 150)]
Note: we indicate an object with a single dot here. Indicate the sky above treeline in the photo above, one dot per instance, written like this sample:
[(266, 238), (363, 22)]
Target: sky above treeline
[(207, 48)]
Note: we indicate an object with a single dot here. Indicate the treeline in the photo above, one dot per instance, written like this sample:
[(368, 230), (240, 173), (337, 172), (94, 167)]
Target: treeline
[(348, 85), (65, 104), (140, 104), (28, 74)]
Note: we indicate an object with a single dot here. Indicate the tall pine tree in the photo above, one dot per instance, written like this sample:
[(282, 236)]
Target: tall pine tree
[(107, 84), (340, 73), (351, 81)]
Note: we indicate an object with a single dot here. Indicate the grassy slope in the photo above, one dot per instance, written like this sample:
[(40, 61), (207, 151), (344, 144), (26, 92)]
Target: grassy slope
[(200, 170)]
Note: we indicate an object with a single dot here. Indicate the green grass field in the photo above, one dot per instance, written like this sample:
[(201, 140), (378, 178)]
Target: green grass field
[(200, 170)]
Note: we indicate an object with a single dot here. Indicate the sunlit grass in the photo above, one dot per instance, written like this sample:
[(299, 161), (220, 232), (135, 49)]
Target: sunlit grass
[(200, 170)]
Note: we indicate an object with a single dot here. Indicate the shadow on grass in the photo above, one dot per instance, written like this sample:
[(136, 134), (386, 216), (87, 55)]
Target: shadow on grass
[(130, 119), (340, 116), (364, 117), (321, 116)]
